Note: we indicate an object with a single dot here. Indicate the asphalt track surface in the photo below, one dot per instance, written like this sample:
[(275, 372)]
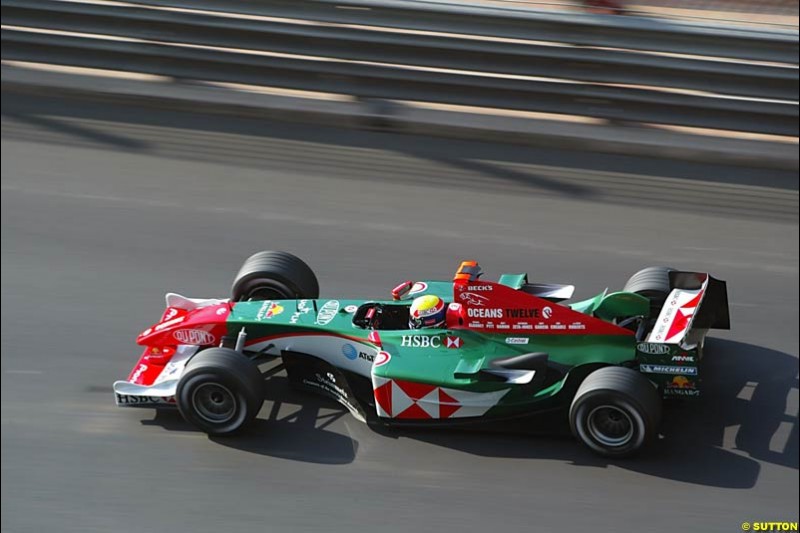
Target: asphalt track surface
[(106, 208)]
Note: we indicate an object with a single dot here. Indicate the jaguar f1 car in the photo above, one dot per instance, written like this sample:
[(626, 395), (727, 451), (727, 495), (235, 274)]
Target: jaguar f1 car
[(509, 349)]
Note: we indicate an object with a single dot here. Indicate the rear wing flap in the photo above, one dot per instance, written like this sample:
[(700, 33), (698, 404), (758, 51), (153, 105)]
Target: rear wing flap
[(696, 303), (713, 312)]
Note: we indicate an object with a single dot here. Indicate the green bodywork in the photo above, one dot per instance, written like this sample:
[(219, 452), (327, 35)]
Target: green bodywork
[(422, 356)]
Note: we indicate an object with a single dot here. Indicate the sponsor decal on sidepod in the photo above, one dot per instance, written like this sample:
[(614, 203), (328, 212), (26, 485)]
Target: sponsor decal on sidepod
[(350, 352), (431, 341)]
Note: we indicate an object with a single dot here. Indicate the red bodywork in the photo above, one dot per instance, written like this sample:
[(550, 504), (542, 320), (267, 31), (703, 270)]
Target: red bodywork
[(204, 327), (489, 307)]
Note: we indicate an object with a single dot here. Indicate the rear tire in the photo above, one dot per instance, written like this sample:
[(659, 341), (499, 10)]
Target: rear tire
[(220, 391), (615, 412), (653, 284), (274, 276)]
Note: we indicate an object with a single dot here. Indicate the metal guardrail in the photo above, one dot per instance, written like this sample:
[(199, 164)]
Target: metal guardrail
[(766, 13), (606, 31), (385, 65), (591, 65)]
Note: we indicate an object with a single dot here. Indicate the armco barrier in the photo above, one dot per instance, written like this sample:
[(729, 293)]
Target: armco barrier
[(385, 65)]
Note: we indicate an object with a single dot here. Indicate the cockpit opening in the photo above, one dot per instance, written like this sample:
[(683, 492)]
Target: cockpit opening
[(374, 315)]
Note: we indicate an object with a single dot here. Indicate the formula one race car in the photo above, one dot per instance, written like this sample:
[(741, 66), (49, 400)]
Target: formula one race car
[(507, 350)]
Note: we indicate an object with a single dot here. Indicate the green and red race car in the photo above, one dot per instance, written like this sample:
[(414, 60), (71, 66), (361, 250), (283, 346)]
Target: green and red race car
[(507, 351)]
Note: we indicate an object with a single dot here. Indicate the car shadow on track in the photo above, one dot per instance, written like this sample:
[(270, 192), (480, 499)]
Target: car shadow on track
[(748, 413), (292, 425)]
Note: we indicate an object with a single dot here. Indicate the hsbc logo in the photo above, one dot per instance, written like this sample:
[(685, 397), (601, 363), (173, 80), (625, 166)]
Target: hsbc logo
[(453, 342), (420, 341), (129, 399), (430, 341)]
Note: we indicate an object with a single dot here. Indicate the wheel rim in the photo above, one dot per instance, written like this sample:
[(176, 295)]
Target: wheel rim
[(264, 293), (214, 403), (610, 426)]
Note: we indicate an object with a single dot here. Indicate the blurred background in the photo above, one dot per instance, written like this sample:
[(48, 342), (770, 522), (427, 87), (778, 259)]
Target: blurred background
[(150, 146)]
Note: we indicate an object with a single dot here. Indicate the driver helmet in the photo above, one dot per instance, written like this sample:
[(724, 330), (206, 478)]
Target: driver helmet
[(427, 311)]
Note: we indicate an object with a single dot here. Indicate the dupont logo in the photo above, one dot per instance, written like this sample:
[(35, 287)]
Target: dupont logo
[(194, 336), (652, 348)]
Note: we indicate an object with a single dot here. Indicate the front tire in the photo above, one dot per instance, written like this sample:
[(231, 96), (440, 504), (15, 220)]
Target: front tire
[(615, 412), (220, 391), (274, 276)]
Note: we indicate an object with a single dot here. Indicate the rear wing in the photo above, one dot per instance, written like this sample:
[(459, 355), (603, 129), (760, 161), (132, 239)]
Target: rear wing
[(671, 354), (696, 303)]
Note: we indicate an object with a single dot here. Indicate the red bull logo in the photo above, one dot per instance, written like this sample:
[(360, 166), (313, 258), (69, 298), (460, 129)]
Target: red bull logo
[(268, 310), (273, 310), (681, 382)]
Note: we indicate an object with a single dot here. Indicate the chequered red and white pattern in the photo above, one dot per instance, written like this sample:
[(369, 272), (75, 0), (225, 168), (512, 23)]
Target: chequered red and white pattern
[(402, 399)]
